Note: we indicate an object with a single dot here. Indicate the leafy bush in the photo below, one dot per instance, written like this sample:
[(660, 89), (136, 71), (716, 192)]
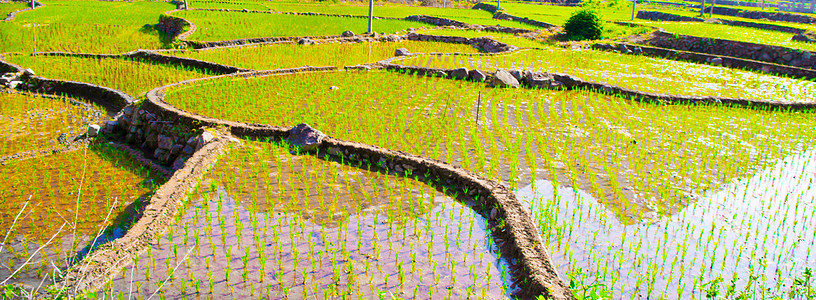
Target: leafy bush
[(584, 24)]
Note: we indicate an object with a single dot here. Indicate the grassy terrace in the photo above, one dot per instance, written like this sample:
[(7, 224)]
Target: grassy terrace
[(216, 26), (278, 56), (634, 72), (33, 123), (130, 76), (84, 26), (572, 137), (343, 231), (390, 10), (725, 32)]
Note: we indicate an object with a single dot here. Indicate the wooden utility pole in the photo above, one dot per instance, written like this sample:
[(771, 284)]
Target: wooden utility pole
[(32, 4), (633, 9)]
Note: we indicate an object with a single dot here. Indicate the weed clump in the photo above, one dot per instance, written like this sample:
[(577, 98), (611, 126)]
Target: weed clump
[(584, 24)]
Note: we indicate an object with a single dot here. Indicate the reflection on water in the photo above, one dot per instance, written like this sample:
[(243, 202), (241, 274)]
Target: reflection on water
[(304, 227), (755, 235)]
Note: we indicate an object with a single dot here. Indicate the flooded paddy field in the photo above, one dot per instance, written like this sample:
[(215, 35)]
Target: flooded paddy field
[(266, 223)]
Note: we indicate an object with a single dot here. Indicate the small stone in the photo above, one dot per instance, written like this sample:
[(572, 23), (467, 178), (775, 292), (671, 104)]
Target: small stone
[(333, 88), (306, 42), (335, 151), (305, 137), (460, 73), (716, 61), (159, 153), (93, 130), (401, 52), (347, 33), (494, 213), (476, 75)]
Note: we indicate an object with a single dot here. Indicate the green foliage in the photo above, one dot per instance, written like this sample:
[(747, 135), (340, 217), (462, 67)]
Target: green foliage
[(593, 291), (803, 286), (584, 24)]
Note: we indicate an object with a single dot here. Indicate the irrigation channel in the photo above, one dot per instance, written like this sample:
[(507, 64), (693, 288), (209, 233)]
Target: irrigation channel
[(756, 229)]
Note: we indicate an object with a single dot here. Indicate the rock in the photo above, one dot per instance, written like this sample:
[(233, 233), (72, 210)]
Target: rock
[(503, 78), (306, 42), (165, 142), (541, 80), (305, 137), (178, 164), (28, 73), (437, 74), (8, 77), (460, 73), (765, 57), (93, 130), (638, 50), (494, 213), (401, 52), (516, 74), (110, 126), (333, 88), (806, 55), (807, 36), (159, 153), (476, 75), (787, 56), (203, 139), (244, 10), (176, 149), (623, 48), (716, 61), (347, 33), (13, 84), (189, 150)]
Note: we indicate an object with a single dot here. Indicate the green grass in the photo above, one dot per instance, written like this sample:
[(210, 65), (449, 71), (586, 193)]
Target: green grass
[(640, 73), (84, 26), (216, 26), (267, 57), (130, 76), (734, 33)]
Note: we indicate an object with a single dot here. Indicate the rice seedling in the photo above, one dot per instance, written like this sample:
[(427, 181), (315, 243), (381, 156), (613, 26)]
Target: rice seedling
[(85, 26), (51, 185), (734, 33), (217, 26), (133, 77), (279, 56), (303, 234), (645, 74), (32, 123)]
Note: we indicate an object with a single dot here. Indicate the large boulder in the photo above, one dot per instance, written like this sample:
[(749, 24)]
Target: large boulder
[(541, 80), (203, 139), (347, 33), (401, 52), (305, 138), (503, 78), (460, 73), (165, 142)]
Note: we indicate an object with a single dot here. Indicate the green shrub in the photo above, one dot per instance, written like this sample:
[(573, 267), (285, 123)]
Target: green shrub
[(584, 24)]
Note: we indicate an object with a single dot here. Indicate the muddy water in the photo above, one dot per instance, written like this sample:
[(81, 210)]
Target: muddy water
[(375, 235), (756, 234)]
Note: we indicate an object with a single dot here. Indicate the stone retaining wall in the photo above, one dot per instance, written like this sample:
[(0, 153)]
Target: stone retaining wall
[(461, 25), (504, 16), (568, 82), (533, 271), (766, 53), (499, 14), (725, 61), (485, 44), (661, 16), (754, 14), (172, 25), (154, 57), (13, 14)]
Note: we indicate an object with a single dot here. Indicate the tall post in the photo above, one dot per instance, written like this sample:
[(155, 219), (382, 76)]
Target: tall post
[(370, 16), (32, 4), (702, 8), (498, 5), (185, 4), (633, 9)]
